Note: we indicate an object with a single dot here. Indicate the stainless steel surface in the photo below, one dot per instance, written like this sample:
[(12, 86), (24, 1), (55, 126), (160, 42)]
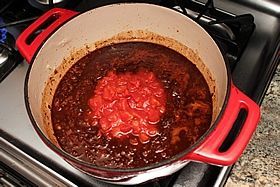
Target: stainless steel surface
[(221, 176), (269, 6), (6, 183), (16, 127), (29, 167), (4, 55)]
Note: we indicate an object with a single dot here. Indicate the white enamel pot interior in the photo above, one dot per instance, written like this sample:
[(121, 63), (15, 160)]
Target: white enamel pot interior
[(84, 32)]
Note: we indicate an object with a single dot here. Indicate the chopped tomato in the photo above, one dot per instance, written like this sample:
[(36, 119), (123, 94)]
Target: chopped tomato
[(128, 104), (104, 124), (125, 116), (144, 138), (125, 128)]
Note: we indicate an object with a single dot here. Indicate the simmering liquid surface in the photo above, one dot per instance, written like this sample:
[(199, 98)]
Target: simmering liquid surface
[(129, 105)]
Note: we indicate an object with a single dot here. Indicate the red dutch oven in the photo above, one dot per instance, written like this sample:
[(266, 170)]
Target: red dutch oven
[(68, 36)]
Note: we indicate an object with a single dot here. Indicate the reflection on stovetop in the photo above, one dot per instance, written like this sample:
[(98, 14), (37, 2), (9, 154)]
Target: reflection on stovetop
[(232, 32)]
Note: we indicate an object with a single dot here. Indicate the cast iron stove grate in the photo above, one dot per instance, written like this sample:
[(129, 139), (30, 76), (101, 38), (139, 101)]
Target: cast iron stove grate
[(231, 32)]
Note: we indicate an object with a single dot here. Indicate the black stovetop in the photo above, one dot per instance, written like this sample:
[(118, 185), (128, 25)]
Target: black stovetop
[(247, 32)]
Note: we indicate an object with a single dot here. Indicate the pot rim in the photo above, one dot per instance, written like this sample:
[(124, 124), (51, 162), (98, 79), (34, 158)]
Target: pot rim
[(68, 157)]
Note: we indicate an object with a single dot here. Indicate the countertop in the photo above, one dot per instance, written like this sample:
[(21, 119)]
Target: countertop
[(259, 165)]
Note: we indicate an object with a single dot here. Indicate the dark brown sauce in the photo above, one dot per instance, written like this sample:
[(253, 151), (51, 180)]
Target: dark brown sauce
[(187, 114)]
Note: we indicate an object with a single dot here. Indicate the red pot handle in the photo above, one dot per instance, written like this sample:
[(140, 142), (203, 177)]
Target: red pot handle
[(209, 152), (48, 22)]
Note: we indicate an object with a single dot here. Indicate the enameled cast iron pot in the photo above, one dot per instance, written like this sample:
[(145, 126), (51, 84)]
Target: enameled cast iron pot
[(68, 36)]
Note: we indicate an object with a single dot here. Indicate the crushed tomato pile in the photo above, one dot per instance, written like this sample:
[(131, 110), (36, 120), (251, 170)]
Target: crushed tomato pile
[(128, 105)]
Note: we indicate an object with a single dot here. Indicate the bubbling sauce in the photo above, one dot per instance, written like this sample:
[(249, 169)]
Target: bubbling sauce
[(129, 105)]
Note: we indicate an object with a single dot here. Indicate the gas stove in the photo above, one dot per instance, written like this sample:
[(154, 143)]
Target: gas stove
[(248, 32)]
